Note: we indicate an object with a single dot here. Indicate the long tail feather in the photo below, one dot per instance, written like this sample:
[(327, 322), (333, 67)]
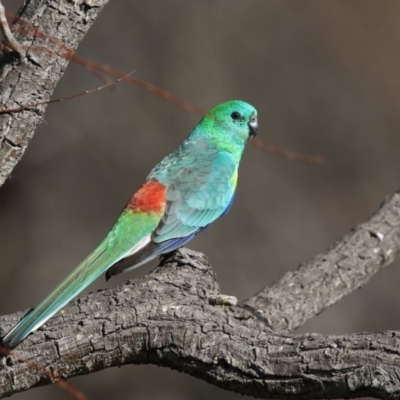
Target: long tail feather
[(86, 272)]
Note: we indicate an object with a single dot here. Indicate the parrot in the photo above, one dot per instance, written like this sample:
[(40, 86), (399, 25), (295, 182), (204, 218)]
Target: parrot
[(187, 191)]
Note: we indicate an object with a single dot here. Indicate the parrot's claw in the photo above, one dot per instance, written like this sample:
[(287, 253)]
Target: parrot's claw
[(191, 257), (223, 300)]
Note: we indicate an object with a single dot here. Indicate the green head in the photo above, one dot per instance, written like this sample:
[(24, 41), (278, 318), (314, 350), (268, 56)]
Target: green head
[(229, 125)]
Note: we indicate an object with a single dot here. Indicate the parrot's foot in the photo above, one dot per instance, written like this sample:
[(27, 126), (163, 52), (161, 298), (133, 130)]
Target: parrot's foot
[(223, 300), (190, 257)]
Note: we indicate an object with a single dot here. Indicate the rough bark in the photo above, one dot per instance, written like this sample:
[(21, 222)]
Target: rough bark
[(348, 265), (166, 319), (51, 30)]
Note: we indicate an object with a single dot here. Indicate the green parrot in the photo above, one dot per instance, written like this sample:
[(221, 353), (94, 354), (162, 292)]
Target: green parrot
[(187, 191)]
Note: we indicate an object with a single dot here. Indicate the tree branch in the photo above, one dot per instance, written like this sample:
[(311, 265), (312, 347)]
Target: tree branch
[(300, 295), (34, 79), (165, 319)]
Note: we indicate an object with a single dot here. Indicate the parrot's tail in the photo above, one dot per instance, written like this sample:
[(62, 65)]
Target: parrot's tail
[(86, 272)]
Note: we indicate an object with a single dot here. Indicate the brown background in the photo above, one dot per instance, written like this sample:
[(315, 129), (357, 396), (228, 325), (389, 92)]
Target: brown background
[(324, 76)]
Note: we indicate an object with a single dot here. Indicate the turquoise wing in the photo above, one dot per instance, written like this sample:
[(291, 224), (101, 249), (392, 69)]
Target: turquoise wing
[(198, 193)]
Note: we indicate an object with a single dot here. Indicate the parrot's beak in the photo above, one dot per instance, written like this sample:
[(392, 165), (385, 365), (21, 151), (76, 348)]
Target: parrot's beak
[(253, 126)]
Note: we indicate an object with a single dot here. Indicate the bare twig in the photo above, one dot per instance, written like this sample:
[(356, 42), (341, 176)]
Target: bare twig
[(8, 35), (62, 50), (59, 381), (74, 96), (71, 389), (288, 154)]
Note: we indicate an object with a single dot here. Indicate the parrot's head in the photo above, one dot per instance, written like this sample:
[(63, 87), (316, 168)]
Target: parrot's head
[(237, 117), (230, 124)]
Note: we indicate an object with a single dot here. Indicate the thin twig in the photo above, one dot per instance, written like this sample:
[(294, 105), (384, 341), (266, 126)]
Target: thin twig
[(8, 35), (60, 382), (288, 154), (74, 96), (104, 70)]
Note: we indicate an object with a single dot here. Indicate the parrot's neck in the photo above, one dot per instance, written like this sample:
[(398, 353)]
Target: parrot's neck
[(220, 142)]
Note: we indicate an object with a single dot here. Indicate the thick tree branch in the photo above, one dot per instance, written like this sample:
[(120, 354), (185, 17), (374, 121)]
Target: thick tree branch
[(166, 319), (62, 25), (348, 265)]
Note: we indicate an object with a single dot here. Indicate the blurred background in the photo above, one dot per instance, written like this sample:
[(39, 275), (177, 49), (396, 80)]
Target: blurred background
[(325, 79)]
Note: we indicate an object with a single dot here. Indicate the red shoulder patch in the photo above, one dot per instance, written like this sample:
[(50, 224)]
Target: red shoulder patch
[(149, 198)]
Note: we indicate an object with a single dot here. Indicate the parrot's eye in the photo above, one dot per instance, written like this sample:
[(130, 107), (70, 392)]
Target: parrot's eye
[(235, 115)]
